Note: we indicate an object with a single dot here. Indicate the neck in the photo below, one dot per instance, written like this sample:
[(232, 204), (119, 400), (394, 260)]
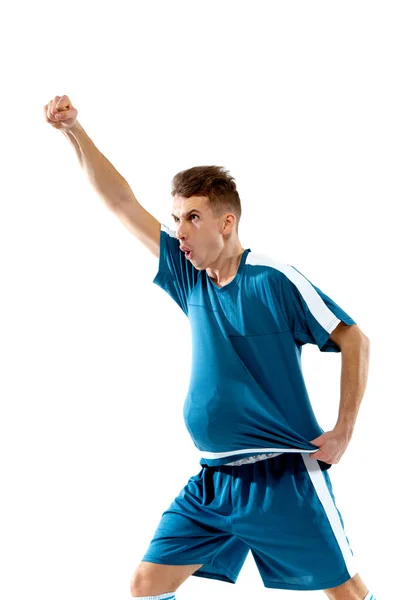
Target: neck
[(224, 269)]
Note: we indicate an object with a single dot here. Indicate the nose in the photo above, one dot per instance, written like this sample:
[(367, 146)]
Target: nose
[(181, 232)]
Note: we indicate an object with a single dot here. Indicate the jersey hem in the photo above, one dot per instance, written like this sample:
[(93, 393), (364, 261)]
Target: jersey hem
[(218, 462)]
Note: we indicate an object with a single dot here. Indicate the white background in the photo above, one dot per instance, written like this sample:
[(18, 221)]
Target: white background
[(300, 101)]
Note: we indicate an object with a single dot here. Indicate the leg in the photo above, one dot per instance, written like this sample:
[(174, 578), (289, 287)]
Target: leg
[(151, 579), (353, 589), (286, 514), (193, 537)]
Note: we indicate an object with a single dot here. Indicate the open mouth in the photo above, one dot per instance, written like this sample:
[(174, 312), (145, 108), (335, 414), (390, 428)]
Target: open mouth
[(188, 255)]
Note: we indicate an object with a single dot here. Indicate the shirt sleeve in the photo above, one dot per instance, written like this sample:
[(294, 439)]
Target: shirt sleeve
[(176, 275), (310, 314)]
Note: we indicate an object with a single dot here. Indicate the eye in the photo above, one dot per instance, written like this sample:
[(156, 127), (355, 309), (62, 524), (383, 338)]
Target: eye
[(176, 219)]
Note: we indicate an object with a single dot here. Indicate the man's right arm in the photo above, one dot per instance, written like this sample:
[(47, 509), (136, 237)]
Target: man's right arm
[(114, 189)]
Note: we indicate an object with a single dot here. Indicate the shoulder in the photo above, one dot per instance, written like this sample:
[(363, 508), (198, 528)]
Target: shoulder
[(269, 267), (278, 276)]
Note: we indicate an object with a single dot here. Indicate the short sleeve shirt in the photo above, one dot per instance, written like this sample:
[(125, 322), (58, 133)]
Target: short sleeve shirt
[(247, 395)]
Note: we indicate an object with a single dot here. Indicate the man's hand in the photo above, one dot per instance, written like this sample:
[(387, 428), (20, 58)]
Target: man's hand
[(332, 445), (60, 113)]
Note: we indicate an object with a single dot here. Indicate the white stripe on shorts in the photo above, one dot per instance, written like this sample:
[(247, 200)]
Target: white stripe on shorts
[(319, 483)]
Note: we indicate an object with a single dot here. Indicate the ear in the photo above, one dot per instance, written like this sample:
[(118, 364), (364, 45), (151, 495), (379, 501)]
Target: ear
[(229, 223)]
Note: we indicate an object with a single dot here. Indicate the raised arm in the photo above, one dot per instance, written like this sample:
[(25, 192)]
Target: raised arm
[(108, 183)]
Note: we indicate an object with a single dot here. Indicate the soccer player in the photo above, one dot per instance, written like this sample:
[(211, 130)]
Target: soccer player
[(264, 485)]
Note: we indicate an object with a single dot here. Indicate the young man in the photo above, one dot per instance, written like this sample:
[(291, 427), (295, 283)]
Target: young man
[(264, 485)]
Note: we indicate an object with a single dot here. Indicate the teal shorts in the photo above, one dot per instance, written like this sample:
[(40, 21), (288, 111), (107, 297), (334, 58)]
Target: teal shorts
[(282, 509)]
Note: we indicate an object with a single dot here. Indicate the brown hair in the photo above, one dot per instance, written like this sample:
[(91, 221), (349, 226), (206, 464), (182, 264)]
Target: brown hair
[(216, 183)]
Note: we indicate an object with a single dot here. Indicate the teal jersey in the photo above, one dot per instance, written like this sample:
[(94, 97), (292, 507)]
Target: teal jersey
[(247, 395)]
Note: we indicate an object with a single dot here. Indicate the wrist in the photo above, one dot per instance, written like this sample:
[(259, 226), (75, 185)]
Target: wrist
[(74, 130), (344, 428)]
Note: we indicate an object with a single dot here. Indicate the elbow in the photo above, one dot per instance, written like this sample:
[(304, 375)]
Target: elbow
[(363, 339), (358, 340), (366, 341), (365, 347)]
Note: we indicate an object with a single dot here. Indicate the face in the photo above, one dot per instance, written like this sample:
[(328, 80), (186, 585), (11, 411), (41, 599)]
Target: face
[(199, 230)]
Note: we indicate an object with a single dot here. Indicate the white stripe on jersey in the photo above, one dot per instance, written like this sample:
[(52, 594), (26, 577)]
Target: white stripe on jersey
[(316, 305)]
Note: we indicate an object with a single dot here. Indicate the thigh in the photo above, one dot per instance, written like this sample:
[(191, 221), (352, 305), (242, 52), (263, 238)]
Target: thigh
[(151, 579), (286, 513)]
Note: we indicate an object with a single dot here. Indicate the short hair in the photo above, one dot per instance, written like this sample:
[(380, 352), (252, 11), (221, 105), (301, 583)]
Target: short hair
[(215, 183)]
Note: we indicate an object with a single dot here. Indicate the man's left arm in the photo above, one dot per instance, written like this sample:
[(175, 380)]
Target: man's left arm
[(354, 346)]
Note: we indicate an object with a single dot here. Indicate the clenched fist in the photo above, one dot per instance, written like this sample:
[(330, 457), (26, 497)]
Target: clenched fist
[(60, 113)]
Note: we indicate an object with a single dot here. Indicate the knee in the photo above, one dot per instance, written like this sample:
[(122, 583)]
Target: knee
[(147, 582), (352, 589), (140, 584)]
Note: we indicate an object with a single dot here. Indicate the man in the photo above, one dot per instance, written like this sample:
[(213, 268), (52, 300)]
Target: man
[(263, 486)]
